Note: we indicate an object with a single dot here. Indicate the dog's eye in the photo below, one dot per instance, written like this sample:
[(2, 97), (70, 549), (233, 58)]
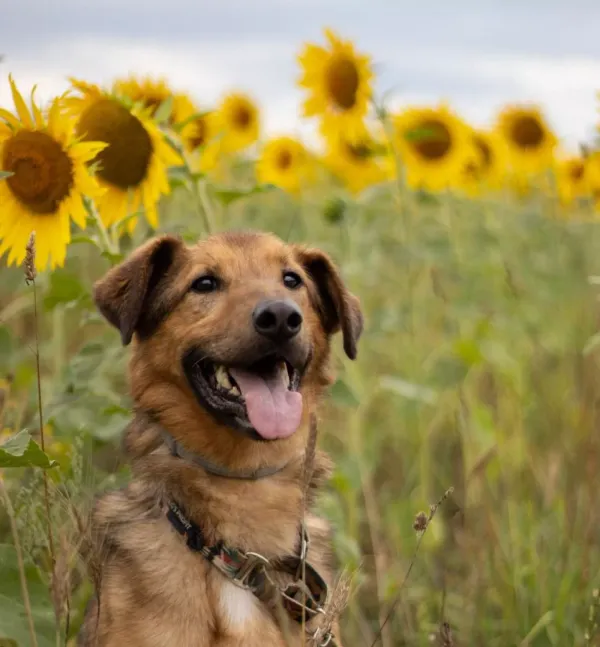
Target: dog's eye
[(291, 280), (206, 283)]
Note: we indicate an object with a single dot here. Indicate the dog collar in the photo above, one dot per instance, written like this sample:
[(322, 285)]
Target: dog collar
[(178, 450), (302, 600)]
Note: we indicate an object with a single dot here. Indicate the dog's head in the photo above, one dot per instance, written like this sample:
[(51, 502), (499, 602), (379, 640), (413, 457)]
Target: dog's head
[(233, 331)]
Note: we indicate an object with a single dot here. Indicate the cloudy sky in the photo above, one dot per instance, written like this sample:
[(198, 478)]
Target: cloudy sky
[(477, 54)]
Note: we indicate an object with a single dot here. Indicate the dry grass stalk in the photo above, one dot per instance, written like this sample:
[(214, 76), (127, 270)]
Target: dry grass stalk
[(20, 563), (30, 276), (445, 636), (422, 521), (307, 472)]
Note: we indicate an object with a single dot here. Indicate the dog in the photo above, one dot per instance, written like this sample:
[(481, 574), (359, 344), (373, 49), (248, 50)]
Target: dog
[(213, 542)]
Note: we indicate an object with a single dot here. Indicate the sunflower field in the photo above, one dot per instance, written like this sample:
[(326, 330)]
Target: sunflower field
[(464, 436)]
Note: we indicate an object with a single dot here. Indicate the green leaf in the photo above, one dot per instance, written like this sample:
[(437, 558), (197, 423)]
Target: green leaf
[(197, 115), (163, 113), (408, 390), (22, 451), (14, 628), (5, 174), (64, 288), (113, 258), (89, 240), (343, 395), (228, 196)]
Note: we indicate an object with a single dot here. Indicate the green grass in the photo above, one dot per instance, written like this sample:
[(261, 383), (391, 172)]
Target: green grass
[(471, 374)]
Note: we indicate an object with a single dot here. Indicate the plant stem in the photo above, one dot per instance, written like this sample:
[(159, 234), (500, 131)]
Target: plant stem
[(41, 417), (20, 563), (206, 208), (106, 241)]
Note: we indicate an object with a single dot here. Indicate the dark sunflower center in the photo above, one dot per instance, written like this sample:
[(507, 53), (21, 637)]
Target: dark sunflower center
[(342, 82), (124, 162), (199, 137), (435, 142), (527, 132), (577, 170), (284, 160), (242, 117), (43, 172), (359, 152), (485, 152)]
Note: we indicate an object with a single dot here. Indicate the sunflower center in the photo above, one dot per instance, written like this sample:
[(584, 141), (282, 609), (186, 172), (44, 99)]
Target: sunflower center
[(242, 117), (43, 172), (485, 152), (359, 152), (199, 137), (124, 162), (342, 82), (527, 132), (284, 160), (577, 170), (435, 142)]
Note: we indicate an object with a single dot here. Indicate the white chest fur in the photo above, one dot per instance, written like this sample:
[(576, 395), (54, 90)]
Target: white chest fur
[(238, 606)]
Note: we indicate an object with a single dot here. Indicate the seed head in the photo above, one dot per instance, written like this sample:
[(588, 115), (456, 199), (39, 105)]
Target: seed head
[(421, 521), (29, 264)]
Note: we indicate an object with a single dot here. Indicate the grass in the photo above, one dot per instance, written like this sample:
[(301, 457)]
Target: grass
[(475, 371)]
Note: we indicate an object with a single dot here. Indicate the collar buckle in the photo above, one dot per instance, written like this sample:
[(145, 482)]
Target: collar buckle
[(254, 563)]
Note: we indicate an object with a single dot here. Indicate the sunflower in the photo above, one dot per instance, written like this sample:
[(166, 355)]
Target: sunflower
[(435, 145), (487, 172), (285, 163), (239, 117), (150, 93), (133, 167), (572, 179), (48, 182), (339, 81), (356, 161), (529, 140)]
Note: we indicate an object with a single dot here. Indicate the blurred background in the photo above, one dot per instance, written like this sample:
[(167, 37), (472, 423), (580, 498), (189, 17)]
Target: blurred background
[(449, 164)]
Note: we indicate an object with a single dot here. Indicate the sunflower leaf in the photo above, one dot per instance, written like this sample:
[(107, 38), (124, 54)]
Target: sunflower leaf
[(178, 127), (164, 110), (227, 196), (5, 174), (22, 451)]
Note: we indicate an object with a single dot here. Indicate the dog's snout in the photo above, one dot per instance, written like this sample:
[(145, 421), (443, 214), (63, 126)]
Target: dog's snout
[(278, 320)]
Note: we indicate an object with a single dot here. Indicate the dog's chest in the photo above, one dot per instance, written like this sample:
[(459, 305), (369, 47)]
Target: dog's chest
[(237, 607)]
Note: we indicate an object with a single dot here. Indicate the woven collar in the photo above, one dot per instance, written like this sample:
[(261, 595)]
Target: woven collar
[(178, 450), (303, 600)]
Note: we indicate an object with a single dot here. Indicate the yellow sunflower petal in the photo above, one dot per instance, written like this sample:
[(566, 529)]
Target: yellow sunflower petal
[(21, 107)]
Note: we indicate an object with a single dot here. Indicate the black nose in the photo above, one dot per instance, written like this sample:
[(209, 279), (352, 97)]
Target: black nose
[(277, 320)]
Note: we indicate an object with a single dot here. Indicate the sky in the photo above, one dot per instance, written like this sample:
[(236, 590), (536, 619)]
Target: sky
[(476, 54)]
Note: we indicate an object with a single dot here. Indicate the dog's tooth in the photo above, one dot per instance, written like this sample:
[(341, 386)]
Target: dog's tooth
[(283, 373), (234, 390), (223, 378)]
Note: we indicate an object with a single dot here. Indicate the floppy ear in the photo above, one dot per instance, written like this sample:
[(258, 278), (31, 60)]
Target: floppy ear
[(337, 307), (132, 295)]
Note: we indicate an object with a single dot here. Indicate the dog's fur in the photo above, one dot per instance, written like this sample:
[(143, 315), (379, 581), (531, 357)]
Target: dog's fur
[(152, 590)]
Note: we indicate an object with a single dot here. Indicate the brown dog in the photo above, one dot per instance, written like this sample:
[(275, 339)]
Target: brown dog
[(206, 545)]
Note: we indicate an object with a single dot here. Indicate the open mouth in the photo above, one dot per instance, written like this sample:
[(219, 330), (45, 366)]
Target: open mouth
[(261, 399)]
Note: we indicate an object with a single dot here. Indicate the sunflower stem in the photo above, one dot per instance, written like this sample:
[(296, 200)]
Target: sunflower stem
[(109, 246), (202, 202)]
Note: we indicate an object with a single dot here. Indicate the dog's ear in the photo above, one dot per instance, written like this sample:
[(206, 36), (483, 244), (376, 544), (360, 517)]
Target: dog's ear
[(337, 307), (132, 295)]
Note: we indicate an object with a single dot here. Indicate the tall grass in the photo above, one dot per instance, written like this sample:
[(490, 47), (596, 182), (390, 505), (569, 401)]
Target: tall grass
[(476, 372)]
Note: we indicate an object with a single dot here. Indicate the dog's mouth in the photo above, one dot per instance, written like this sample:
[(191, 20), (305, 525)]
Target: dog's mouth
[(262, 398)]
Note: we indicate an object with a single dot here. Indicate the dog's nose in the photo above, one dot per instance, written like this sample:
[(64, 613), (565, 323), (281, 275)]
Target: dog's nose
[(278, 320)]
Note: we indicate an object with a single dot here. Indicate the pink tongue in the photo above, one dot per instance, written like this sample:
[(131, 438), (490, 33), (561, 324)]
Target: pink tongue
[(273, 410)]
